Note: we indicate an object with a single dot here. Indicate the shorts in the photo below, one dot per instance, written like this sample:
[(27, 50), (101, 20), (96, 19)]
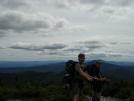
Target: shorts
[(78, 88), (96, 86)]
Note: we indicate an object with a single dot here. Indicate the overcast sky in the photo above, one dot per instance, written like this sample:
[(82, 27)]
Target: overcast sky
[(61, 29)]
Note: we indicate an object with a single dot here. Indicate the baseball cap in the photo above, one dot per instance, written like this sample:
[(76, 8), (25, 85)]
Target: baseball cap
[(99, 61)]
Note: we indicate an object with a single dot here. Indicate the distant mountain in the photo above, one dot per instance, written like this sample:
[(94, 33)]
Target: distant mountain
[(122, 73), (121, 63), (58, 67), (8, 64), (21, 64), (115, 71)]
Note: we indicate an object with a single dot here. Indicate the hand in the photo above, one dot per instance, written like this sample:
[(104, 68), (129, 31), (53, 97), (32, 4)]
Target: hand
[(90, 79), (101, 79), (104, 79), (95, 78)]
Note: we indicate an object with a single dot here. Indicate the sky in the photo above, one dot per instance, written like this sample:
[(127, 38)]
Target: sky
[(40, 30)]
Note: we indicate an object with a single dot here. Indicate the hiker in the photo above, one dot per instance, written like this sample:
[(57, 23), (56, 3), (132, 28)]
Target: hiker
[(97, 80), (80, 76)]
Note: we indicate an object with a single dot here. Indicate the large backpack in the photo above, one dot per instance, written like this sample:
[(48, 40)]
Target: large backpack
[(69, 75), (89, 68)]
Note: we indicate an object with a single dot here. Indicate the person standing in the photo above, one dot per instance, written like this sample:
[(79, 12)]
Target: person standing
[(80, 76), (96, 94)]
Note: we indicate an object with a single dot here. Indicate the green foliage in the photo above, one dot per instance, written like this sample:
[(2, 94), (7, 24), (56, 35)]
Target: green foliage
[(53, 91), (121, 89)]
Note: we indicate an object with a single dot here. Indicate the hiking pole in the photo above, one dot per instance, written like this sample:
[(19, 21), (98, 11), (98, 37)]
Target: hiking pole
[(95, 92), (106, 83), (91, 91)]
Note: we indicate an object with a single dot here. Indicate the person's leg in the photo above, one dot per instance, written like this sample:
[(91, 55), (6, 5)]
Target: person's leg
[(93, 95), (94, 91), (98, 91), (98, 96), (76, 97), (76, 92)]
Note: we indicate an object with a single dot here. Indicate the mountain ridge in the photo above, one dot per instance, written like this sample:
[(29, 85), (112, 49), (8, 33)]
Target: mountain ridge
[(19, 64), (114, 71)]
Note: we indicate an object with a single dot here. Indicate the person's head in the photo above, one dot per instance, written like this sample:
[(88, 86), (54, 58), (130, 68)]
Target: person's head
[(81, 57), (98, 63)]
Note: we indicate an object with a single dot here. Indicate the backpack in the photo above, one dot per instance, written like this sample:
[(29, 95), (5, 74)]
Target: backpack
[(89, 68), (69, 75)]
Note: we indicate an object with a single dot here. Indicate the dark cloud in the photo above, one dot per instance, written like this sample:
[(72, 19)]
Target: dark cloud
[(48, 53), (33, 47), (108, 2), (108, 51), (55, 46), (95, 46), (94, 5), (73, 49), (122, 2), (97, 55), (89, 42), (2, 33), (60, 24), (109, 11), (107, 55), (17, 22), (98, 2), (15, 4), (52, 53), (114, 43), (92, 44), (40, 23), (126, 43)]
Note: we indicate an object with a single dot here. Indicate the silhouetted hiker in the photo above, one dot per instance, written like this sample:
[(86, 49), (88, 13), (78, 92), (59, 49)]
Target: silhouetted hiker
[(97, 80), (80, 76)]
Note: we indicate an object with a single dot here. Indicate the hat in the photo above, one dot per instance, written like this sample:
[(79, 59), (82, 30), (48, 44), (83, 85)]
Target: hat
[(99, 61)]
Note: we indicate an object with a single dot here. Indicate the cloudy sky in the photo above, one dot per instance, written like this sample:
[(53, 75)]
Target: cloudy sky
[(61, 29)]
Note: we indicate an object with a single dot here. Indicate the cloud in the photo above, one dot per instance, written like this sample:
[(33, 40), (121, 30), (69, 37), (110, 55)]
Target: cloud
[(89, 55), (91, 45), (86, 5), (41, 23), (93, 5), (109, 11), (122, 3), (2, 47), (126, 43), (15, 4), (119, 19), (49, 53), (114, 43), (119, 55), (2, 33), (108, 51), (97, 55), (34, 47)]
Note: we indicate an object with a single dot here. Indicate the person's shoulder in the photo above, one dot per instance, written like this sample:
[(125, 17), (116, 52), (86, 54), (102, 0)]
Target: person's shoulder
[(77, 64)]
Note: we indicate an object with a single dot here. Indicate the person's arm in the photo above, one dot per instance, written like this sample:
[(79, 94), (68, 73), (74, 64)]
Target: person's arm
[(85, 75), (88, 74), (102, 79)]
